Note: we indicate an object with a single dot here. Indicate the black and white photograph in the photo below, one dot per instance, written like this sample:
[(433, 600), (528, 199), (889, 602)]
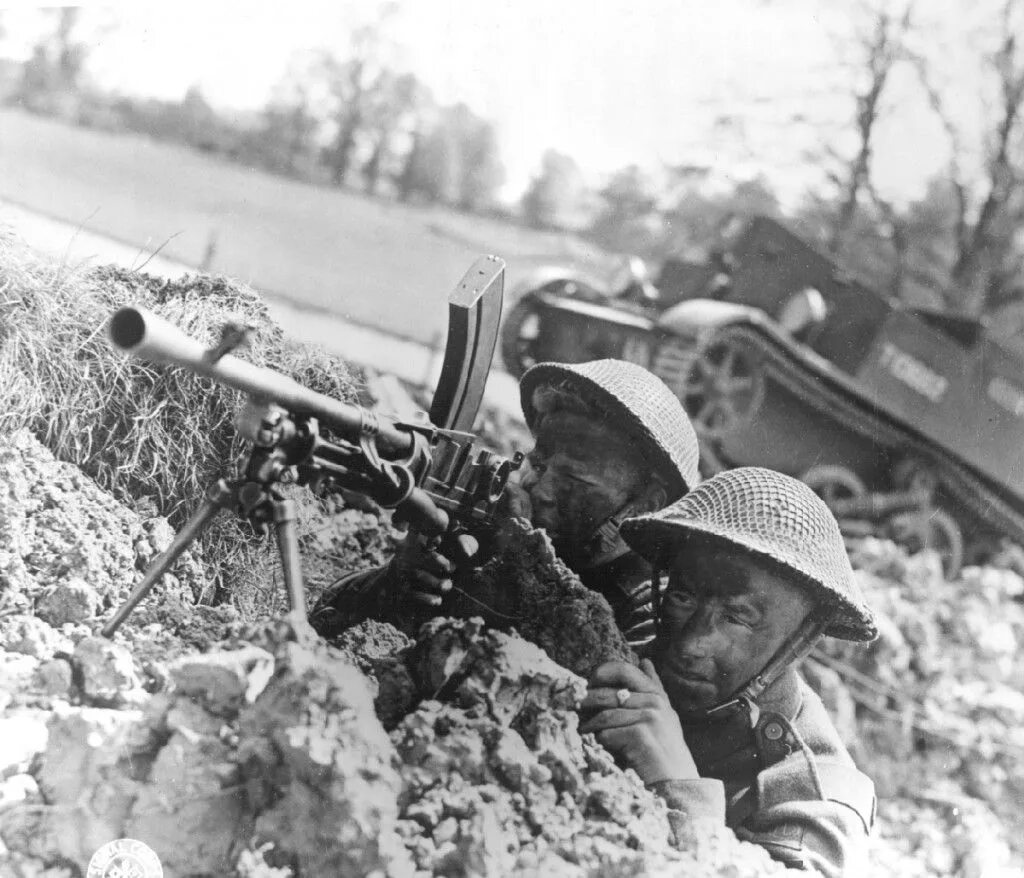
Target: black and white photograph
[(484, 438)]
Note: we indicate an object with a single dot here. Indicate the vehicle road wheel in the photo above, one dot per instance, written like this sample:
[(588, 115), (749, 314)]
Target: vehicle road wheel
[(836, 484), (723, 389), (832, 482), (933, 529), (519, 336)]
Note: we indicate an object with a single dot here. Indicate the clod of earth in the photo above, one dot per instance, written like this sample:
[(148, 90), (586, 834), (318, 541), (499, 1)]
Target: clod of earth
[(69, 550), (526, 586)]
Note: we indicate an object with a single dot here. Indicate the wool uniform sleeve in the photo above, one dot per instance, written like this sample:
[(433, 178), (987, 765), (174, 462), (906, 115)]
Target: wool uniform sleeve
[(816, 821), (814, 817), (353, 599)]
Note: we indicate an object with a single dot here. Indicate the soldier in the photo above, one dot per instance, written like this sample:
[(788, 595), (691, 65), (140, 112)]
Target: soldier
[(611, 441), (719, 724)]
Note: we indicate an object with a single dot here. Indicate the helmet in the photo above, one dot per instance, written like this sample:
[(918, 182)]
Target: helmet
[(774, 518), (639, 402)]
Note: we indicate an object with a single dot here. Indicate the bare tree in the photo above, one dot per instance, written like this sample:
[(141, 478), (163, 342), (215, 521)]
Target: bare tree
[(57, 62), (987, 207), (882, 44), (479, 169), (554, 196), (628, 219), (290, 123), (353, 83), (350, 82), (395, 109)]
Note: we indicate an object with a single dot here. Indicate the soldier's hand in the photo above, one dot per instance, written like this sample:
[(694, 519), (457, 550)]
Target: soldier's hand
[(630, 715), (515, 502), (424, 565)]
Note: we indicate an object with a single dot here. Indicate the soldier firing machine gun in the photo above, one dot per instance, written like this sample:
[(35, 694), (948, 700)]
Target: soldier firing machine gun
[(433, 474)]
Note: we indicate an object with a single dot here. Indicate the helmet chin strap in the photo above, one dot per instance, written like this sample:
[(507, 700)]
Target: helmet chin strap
[(800, 643), (604, 540)]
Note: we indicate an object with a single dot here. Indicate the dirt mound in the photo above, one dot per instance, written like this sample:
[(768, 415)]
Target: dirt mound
[(528, 588), (71, 552), (271, 751)]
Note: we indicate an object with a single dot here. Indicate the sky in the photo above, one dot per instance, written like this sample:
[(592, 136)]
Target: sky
[(609, 82)]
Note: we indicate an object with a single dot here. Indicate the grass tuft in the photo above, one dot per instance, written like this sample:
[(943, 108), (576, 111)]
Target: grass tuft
[(147, 433)]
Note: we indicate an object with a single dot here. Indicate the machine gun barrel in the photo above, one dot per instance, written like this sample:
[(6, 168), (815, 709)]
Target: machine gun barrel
[(143, 334)]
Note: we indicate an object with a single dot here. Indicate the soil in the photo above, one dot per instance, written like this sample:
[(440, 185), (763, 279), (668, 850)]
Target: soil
[(259, 750)]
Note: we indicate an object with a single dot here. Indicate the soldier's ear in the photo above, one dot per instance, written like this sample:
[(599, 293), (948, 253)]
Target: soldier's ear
[(651, 499)]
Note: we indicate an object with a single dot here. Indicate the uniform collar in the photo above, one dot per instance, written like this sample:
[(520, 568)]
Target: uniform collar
[(726, 745)]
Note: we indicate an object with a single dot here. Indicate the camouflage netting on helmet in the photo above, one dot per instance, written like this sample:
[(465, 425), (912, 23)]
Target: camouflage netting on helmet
[(633, 399), (774, 518)]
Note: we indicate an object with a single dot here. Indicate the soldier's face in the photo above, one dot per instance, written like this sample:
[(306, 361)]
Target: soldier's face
[(723, 617), (579, 473)]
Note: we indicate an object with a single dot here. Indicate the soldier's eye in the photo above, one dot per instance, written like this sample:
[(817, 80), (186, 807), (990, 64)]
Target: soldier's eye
[(680, 598)]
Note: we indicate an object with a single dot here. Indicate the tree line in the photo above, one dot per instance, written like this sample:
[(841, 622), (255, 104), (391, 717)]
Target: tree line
[(959, 246), (351, 120), (344, 120)]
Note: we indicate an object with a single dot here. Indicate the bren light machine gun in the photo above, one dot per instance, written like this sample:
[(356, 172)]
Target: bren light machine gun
[(433, 474)]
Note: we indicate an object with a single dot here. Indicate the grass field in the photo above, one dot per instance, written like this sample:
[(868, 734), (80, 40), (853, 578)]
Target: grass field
[(386, 265)]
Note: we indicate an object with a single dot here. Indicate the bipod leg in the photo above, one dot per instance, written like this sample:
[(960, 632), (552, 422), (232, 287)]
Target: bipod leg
[(291, 562), (218, 496)]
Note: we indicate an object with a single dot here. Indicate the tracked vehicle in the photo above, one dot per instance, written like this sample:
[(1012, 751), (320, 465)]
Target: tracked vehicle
[(908, 422)]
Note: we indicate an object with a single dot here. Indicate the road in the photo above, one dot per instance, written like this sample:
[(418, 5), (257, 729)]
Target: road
[(368, 260)]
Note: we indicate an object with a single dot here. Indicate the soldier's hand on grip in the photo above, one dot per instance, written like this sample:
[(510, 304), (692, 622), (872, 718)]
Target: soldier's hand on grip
[(425, 565)]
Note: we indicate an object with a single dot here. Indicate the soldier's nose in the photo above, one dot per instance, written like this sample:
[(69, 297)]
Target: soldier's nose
[(539, 489)]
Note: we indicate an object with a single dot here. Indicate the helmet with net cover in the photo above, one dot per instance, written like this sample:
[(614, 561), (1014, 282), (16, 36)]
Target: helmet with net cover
[(774, 518), (636, 402)]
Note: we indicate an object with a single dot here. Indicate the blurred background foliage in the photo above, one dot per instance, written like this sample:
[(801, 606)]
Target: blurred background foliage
[(348, 118)]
